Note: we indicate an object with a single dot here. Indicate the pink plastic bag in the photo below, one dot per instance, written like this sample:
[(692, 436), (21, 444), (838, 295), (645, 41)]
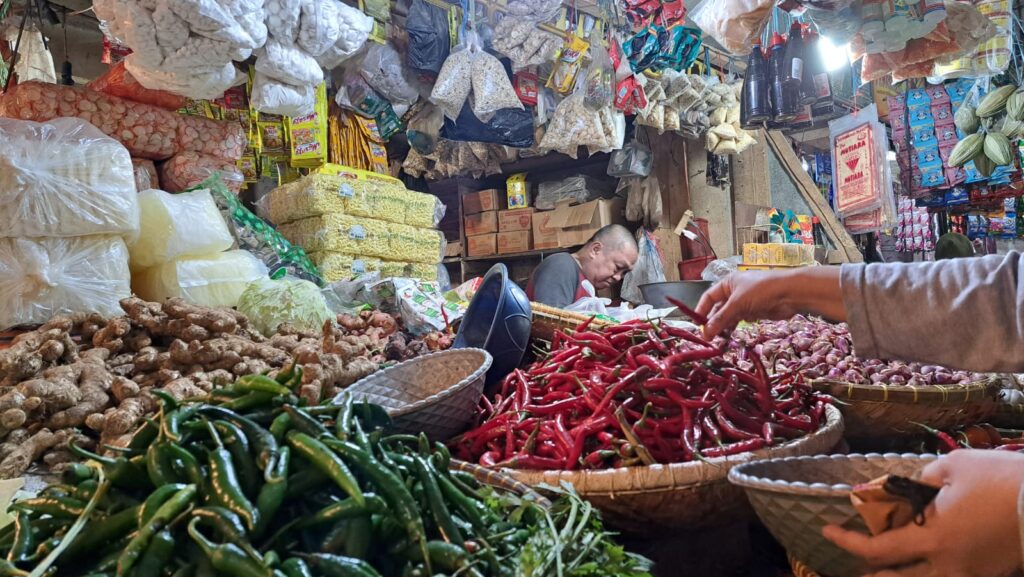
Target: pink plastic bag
[(220, 138), (188, 169)]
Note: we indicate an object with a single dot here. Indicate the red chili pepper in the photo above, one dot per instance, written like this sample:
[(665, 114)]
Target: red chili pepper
[(730, 430), (687, 335), (566, 405), (710, 428), (697, 318), (735, 448), (656, 366), (947, 441), (688, 356), (532, 462), (795, 422), (583, 326), (489, 459), (618, 387)]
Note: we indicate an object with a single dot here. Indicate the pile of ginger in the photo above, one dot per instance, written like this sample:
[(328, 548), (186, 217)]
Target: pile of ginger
[(89, 380)]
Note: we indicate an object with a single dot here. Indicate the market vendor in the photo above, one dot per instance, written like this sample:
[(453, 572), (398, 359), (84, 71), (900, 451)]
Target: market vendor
[(918, 312), (564, 278)]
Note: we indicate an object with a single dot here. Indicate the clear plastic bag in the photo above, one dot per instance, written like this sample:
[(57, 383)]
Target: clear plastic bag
[(492, 88), (455, 80), (188, 169), (573, 125), (198, 83), (64, 178), (178, 225), (319, 26), (273, 97), (424, 129), (648, 268), (382, 68), (579, 189), (859, 166), (119, 82), (600, 75), (209, 19), (735, 24), (44, 277), (145, 174), (717, 270), (985, 34), (355, 29), (288, 63), (283, 19), (634, 159), (213, 280)]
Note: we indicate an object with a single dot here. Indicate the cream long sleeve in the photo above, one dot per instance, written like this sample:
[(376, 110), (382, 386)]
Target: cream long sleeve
[(963, 313)]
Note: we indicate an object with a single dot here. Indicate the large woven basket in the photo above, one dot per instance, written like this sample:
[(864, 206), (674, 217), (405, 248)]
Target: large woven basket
[(659, 498), (547, 320), (436, 394), (1008, 416), (883, 410), (797, 497), (500, 481)]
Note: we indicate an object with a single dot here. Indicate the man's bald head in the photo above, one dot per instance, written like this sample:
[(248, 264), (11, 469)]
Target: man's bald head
[(608, 255)]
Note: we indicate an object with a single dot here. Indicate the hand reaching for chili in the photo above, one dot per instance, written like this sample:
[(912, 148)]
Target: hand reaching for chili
[(751, 296), (972, 528)]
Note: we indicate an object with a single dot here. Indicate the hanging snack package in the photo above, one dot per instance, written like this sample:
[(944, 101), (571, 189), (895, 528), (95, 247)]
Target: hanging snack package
[(359, 97), (492, 88), (735, 24), (600, 75), (382, 68), (308, 134), (455, 79), (527, 85), (568, 64), (858, 163), (634, 159), (429, 42)]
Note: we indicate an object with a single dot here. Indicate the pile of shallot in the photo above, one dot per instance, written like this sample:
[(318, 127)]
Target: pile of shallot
[(818, 349)]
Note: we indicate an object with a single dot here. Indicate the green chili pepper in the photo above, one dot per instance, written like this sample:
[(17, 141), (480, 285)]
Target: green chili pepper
[(157, 555), (160, 465), (294, 567), (248, 401), (304, 481), (438, 509), (224, 484), (185, 465), (78, 473), (345, 509), (327, 462), (228, 525), (99, 533), (170, 425), (174, 506), (24, 540), (186, 570), (156, 500), (273, 491), (305, 423), (262, 441), (280, 426), (444, 556), (473, 511), (261, 384), (228, 559), (359, 537), (122, 472), (65, 507), (390, 486), (343, 422), (338, 566), (167, 401), (144, 435), (236, 443), (285, 374)]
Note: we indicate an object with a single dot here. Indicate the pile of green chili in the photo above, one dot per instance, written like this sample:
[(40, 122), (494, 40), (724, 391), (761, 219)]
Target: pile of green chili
[(249, 483)]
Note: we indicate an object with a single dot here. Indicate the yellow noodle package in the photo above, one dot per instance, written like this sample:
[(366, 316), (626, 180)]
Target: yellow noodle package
[(340, 233), (336, 266), (412, 244)]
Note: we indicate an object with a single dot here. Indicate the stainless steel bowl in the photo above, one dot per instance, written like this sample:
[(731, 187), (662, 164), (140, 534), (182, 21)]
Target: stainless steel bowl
[(687, 292)]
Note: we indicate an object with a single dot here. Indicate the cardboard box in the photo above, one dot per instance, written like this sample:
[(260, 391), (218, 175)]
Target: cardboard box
[(481, 223), (577, 223), (512, 220), (778, 254), (452, 248), (514, 241), (481, 201), (544, 236), (482, 245)]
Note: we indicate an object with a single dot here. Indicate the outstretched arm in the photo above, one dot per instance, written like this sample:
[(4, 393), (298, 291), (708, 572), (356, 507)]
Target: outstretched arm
[(964, 313)]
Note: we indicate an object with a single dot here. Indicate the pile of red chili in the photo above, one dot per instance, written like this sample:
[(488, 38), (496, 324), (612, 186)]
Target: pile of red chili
[(636, 393)]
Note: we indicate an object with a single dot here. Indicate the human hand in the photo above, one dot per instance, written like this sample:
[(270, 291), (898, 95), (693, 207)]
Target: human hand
[(972, 528)]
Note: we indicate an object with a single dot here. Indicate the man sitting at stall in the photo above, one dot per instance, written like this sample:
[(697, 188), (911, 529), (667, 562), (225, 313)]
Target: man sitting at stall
[(564, 278)]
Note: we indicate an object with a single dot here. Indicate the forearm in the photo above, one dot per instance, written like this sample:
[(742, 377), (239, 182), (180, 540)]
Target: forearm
[(812, 291), (963, 313)]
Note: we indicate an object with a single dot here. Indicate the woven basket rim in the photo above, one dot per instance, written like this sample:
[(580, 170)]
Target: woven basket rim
[(740, 478), (1010, 408), (668, 476), (477, 374), (501, 480), (924, 394)]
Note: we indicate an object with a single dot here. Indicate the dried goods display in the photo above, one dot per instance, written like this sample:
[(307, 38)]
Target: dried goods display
[(817, 349), (637, 393), (187, 170), (93, 379)]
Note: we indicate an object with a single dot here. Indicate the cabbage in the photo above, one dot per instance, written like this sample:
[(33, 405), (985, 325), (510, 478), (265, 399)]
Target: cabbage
[(269, 303)]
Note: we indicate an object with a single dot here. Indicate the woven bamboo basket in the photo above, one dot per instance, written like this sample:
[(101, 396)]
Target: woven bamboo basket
[(547, 320), (799, 568), (797, 497), (659, 498), (873, 411), (435, 394), (500, 481), (1008, 416)]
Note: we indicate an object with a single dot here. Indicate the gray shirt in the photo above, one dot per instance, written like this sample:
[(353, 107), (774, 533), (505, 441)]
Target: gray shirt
[(556, 282), (964, 313)]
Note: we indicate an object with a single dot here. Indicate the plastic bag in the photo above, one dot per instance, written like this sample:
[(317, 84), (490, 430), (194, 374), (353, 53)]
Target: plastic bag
[(508, 126), (43, 277), (145, 174), (600, 75), (492, 87), (288, 63), (319, 26), (224, 139), (735, 24), (355, 29), (648, 268), (381, 67), (188, 169), (534, 11), (359, 97), (200, 84), (579, 189), (213, 280), (178, 225), (573, 125), (119, 82), (455, 80), (64, 178), (984, 33), (272, 97), (424, 129), (283, 19), (634, 159), (860, 170), (717, 270), (429, 43)]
